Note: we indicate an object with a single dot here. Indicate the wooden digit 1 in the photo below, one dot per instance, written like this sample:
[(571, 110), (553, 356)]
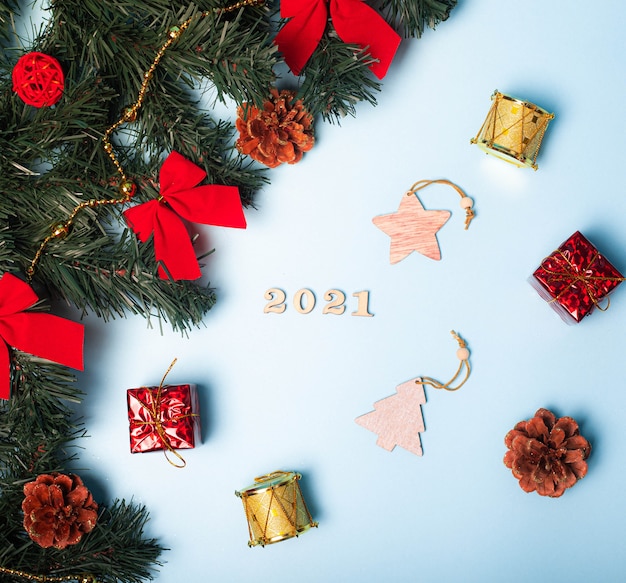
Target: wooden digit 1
[(363, 304)]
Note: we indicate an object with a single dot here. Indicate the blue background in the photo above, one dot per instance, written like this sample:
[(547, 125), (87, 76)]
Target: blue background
[(282, 391)]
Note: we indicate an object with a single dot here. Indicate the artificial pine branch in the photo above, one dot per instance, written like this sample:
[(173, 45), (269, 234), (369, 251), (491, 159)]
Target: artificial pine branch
[(336, 78), (234, 51), (52, 159), (36, 424), (413, 16), (8, 9), (123, 279), (116, 550), (37, 435)]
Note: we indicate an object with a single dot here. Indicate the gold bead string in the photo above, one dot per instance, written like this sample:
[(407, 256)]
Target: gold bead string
[(61, 230), (463, 355), (126, 187), (47, 578)]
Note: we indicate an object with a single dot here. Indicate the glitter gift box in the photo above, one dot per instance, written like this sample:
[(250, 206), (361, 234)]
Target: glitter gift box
[(575, 279), (163, 418)]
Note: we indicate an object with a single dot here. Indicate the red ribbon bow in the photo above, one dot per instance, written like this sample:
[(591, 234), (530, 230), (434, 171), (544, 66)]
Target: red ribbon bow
[(39, 334), (354, 21), (181, 197)]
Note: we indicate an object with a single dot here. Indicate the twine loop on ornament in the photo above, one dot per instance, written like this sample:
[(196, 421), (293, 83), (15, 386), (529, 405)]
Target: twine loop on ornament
[(84, 578), (466, 202), (154, 409), (463, 355), (580, 276), (126, 187)]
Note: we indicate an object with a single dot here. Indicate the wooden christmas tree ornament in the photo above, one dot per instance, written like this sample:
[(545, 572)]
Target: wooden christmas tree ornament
[(513, 130), (413, 228), (398, 419), (275, 508)]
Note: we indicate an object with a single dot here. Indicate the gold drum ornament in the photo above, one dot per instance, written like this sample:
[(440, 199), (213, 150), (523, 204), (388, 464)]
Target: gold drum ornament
[(275, 508), (513, 130)]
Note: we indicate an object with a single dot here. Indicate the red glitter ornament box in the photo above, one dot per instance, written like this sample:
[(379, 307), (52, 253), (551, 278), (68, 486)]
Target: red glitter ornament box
[(163, 418), (575, 279)]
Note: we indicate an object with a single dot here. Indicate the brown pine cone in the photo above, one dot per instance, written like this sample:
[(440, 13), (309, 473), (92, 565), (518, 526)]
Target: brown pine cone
[(58, 510), (546, 454), (281, 132)]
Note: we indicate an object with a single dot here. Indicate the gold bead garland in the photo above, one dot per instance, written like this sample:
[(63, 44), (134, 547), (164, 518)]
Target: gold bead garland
[(126, 187), (48, 578)]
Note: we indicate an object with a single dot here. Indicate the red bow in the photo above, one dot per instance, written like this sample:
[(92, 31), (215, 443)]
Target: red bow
[(354, 21), (39, 334), (209, 205)]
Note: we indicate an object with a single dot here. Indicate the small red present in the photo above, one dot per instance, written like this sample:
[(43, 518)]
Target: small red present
[(163, 418), (575, 279)]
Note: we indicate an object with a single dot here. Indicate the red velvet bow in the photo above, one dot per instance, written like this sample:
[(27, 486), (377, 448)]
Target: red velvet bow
[(39, 334), (209, 205), (354, 21)]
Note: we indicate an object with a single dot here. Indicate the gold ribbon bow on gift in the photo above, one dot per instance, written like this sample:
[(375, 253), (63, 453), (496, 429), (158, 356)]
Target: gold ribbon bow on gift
[(580, 276), (155, 413)]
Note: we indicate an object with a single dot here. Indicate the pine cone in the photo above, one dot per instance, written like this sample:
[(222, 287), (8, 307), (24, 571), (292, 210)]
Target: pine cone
[(546, 454), (281, 132), (58, 510)]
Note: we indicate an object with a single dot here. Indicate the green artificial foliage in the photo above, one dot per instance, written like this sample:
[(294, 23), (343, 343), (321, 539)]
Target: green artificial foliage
[(413, 16), (37, 435), (52, 160), (336, 78)]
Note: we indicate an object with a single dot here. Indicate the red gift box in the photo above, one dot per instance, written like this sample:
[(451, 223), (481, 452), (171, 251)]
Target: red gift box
[(163, 418), (575, 278)]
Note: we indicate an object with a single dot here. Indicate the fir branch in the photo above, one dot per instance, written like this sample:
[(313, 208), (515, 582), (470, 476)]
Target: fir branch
[(35, 140), (36, 424), (8, 14), (413, 16), (52, 159), (176, 123), (116, 550), (236, 53), (336, 78), (37, 435), (122, 278)]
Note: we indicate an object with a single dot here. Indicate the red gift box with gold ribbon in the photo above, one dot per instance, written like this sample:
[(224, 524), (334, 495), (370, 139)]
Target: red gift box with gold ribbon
[(163, 418), (575, 279)]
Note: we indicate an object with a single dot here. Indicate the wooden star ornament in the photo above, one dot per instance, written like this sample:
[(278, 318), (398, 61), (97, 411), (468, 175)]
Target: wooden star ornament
[(413, 228)]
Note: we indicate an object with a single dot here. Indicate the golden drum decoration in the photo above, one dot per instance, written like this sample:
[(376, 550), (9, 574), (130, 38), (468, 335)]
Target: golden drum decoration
[(513, 130), (275, 508)]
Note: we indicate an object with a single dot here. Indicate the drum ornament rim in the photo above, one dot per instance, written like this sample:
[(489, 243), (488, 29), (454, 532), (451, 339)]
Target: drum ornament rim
[(526, 104)]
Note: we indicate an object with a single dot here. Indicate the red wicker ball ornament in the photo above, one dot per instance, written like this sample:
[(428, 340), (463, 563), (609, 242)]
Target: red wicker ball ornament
[(38, 79)]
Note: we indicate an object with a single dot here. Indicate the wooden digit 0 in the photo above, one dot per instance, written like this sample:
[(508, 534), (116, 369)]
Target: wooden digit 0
[(309, 304)]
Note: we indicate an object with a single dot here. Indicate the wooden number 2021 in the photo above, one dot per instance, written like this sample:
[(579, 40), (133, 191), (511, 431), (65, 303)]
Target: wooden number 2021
[(304, 302)]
